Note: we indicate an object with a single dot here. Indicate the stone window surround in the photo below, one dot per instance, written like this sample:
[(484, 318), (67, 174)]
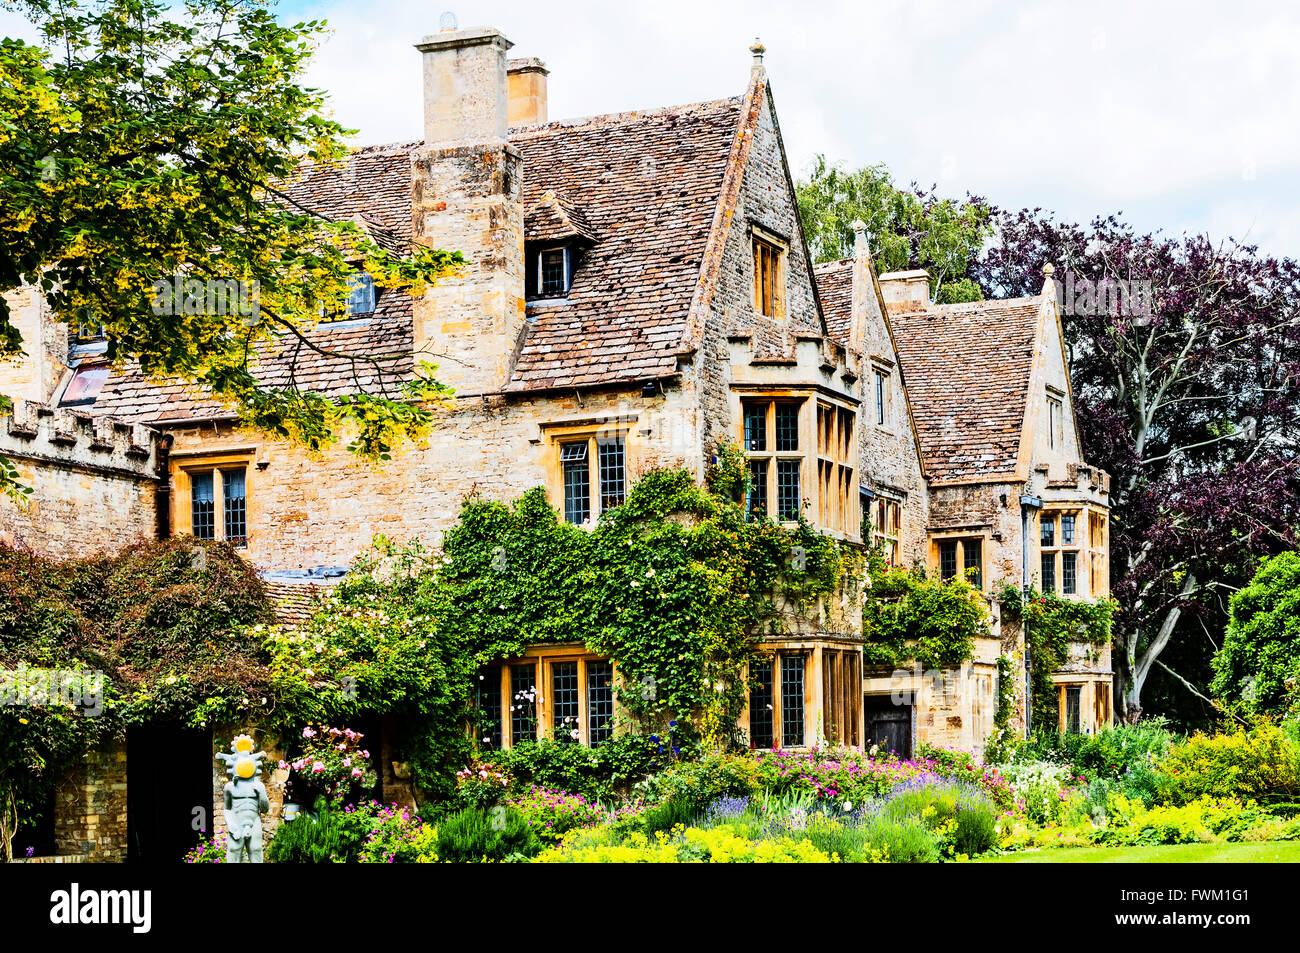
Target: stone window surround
[(889, 536), (885, 369), (556, 433), (1091, 563), (960, 535), (182, 465), (1055, 418), (1094, 701), (808, 397), (543, 658)]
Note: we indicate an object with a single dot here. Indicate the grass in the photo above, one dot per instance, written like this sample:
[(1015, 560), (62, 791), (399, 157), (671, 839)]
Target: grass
[(1269, 852)]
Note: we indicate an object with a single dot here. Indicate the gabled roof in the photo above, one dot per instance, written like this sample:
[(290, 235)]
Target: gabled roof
[(968, 370), (554, 218), (648, 183), (639, 188)]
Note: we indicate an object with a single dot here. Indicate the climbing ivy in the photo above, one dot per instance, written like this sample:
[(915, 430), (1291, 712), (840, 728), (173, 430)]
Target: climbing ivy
[(1051, 624), (911, 617)]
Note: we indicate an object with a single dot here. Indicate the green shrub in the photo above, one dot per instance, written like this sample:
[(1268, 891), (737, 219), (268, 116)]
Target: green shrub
[(701, 783), (473, 835), (331, 836), (1257, 764), (667, 815), (977, 831)]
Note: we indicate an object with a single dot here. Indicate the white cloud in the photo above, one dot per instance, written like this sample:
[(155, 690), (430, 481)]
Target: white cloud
[(1157, 109)]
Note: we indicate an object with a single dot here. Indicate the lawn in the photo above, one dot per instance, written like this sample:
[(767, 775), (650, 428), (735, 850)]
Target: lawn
[(1270, 852)]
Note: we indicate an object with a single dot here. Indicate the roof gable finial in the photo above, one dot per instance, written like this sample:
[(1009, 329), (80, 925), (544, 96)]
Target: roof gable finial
[(758, 49)]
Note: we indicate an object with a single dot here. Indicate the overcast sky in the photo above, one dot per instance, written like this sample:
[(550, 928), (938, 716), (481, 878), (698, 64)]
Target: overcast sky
[(1184, 115)]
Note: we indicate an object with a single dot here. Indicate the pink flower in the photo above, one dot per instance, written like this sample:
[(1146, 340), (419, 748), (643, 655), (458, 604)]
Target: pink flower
[(317, 768)]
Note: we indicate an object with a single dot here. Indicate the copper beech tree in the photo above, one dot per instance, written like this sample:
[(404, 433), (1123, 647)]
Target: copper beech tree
[(1185, 361), (141, 145)]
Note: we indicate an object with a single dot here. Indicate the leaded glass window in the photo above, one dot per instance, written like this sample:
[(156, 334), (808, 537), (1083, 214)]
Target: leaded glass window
[(565, 702), (234, 501), (577, 481), (523, 703), (792, 720), (613, 479), (203, 513), (600, 702), (489, 706), (760, 704), (788, 496)]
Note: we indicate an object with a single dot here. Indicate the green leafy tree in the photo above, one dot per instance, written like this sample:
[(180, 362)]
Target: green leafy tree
[(906, 228), (1257, 668), (138, 146)]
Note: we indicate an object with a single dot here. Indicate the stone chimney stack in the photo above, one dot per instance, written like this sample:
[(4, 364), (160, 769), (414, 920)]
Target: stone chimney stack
[(906, 290), (527, 85), (465, 90), (465, 197)]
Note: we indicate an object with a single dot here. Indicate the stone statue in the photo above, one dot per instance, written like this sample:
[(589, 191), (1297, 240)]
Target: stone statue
[(246, 802)]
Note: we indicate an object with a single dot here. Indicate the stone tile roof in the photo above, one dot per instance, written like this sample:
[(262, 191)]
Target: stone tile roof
[(555, 218), (835, 288), (292, 604), (640, 189), (370, 354), (648, 183), (967, 368)]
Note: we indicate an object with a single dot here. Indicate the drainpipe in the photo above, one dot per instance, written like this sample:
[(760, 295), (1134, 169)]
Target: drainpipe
[(1028, 506)]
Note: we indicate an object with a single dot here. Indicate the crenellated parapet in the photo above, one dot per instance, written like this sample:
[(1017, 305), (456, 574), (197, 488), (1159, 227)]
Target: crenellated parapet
[(77, 440)]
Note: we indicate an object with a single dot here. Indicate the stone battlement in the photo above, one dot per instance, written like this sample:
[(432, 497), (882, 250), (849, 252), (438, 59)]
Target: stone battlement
[(78, 440)]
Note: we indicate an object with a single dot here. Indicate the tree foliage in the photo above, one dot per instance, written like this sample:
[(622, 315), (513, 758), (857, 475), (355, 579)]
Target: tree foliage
[(138, 147), (906, 228), (1187, 395), (1257, 669)]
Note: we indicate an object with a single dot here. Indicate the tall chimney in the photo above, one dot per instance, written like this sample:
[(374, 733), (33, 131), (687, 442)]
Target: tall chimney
[(465, 196), (465, 96), (527, 84)]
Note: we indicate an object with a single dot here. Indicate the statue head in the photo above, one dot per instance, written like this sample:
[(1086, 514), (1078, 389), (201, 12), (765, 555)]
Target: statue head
[(243, 762)]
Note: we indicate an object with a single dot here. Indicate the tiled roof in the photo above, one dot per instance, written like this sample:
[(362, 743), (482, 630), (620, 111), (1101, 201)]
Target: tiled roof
[(967, 368), (293, 604), (555, 218), (648, 184), (639, 188), (835, 288), (381, 343)]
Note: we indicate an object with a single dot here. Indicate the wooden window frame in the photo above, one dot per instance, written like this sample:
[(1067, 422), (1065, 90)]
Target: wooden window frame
[(541, 271), (887, 527), (962, 538), (769, 256), (184, 467), (594, 434), (883, 396), (543, 660), (1055, 419)]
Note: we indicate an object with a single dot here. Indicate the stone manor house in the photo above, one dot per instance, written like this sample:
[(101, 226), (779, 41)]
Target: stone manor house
[(639, 291)]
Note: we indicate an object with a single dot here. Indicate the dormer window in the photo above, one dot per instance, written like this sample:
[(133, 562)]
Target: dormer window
[(362, 298), (553, 272)]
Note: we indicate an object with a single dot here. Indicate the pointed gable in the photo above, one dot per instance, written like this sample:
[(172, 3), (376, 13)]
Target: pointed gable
[(968, 369)]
